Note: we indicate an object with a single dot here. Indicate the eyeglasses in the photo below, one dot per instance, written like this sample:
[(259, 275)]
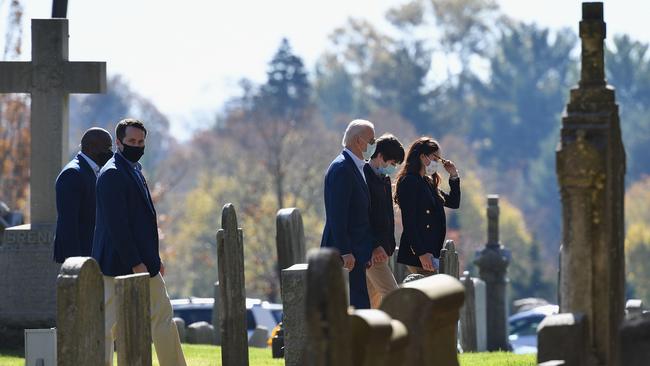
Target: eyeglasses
[(371, 142)]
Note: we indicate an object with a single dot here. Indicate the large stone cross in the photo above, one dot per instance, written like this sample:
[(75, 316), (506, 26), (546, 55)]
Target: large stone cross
[(49, 78)]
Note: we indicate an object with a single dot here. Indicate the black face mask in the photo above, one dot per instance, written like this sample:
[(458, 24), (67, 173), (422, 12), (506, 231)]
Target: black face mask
[(103, 157), (132, 153)]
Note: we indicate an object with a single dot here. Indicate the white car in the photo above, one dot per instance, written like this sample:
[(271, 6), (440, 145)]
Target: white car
[(523, 328), (258, 312)]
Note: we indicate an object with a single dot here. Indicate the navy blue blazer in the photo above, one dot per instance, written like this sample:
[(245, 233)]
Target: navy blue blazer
[(75, 207), (126, 233), (347, 210), (423, 217)]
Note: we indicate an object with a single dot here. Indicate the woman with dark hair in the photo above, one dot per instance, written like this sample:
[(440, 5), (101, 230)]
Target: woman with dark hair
[(422, 204)]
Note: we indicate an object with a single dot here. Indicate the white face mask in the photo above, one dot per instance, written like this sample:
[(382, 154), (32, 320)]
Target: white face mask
[(432, 167)]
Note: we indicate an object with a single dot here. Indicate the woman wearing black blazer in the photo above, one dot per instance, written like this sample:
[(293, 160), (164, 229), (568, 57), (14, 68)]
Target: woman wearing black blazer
[(422, 204)]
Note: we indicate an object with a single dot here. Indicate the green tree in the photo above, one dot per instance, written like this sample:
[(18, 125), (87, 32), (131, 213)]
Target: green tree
[(628, 70), (637, 238), (14, 123)]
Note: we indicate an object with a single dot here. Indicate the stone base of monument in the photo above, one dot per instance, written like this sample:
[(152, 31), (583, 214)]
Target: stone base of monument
[(27, 281)]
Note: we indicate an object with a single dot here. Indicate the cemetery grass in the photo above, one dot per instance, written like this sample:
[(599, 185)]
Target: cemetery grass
[(197, 355)]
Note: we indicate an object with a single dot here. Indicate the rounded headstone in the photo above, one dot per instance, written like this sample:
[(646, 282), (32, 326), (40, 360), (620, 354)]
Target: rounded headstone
[(180, 325), (200, 333)]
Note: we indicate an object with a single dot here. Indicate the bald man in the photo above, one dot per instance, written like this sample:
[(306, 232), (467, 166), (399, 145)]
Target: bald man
[(75, 196)]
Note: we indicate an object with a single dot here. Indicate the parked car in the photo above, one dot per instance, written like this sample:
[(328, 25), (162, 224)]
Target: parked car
[(258, 312), (523, 328)]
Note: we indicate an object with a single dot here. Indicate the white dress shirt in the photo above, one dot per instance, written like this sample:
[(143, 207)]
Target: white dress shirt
[(358, 162), (96, 168)]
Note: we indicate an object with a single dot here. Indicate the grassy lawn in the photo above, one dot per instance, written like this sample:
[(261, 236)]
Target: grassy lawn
[(207, 355)]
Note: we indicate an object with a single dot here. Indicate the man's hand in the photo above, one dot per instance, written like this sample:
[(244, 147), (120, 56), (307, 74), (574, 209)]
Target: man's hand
[(140, 268), (379, 255), (427, 262), (162, 268), (348, 261)]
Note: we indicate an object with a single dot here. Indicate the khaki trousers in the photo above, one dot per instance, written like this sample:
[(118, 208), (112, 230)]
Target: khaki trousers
[(163, 330), (381, 281)]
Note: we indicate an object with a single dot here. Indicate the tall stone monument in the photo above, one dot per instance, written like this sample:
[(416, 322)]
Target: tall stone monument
[(591, 170), (27, 273), (493, 266)]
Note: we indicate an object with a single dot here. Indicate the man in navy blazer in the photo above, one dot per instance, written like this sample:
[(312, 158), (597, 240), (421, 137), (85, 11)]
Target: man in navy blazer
[(126, 240), (75, 196), (347, 208)]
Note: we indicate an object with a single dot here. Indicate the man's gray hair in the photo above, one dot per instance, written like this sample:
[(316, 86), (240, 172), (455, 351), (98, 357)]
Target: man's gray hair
[(354, 129)]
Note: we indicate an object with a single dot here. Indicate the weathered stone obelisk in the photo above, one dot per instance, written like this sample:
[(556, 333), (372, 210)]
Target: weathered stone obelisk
[(591, 171), (493, 263)]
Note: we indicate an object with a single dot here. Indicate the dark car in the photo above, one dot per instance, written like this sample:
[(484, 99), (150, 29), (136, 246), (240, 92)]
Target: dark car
[(258, 312)]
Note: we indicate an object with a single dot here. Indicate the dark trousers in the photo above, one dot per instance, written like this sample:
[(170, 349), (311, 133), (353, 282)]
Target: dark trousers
[(358, 287)]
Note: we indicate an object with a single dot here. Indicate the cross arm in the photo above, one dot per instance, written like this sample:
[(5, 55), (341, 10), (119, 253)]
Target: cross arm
[(85, 77), (15, 77)]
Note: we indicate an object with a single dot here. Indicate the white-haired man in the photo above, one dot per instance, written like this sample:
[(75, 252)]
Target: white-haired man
[(347, 208)]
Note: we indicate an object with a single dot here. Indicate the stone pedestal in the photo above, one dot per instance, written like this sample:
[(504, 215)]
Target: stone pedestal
[(294, 294), (27, 281)]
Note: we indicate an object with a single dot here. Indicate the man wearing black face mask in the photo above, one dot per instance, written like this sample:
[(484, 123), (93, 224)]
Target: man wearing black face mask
[(126, 241), (75, 196)]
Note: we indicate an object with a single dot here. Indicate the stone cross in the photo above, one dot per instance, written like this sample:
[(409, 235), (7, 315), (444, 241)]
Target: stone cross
[(429, 308), (493, 265), (449, 263), (80, 313), (50, 78), (27, 272), (473, 329), (294, 318), (290, 238), (232, 304), (591, 170), (133, 336)]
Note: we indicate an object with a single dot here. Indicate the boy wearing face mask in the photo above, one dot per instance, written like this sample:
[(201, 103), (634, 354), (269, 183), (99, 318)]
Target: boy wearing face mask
[(383, 163)]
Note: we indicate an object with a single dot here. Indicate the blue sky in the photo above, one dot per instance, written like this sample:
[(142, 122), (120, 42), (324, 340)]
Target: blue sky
[(188, 56)]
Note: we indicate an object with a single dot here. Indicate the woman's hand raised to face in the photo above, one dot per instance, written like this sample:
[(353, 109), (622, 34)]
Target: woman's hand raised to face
[(450, 167)]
